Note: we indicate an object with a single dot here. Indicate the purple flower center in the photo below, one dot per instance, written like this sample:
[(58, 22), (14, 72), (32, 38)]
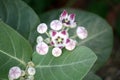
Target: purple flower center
[(66, 21)]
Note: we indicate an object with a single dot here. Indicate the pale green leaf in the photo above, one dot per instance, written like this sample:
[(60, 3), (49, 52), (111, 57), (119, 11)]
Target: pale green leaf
[(71, 65), (100, 36), (14, 50), (19, 16)]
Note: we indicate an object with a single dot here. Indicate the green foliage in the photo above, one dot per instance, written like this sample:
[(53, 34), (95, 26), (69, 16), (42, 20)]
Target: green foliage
[(72, 65), (14, 50), (27, 1), (92, 76), (100, 37), (19, 16)]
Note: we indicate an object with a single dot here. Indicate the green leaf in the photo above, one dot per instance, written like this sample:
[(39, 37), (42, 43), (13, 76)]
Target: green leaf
[(100, 36), (19, 16), (27, 1), (92, 76), (14, 50), (72, 65)]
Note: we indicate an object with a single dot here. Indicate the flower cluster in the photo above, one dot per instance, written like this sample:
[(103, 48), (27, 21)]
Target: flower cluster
[(16, 73), (58, 36)]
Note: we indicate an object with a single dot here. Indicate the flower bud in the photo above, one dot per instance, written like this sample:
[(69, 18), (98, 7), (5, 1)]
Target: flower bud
[(42, 28), (81, 32), (56, 52), (14, 73), (39, 39), (31, 71), (56, 25)]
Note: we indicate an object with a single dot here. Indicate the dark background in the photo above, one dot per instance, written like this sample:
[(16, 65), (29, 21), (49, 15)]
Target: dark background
[(107, 9)]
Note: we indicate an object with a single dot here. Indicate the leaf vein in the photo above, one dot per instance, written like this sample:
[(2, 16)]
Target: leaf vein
[(92, 37), (5, 53), (73, 63)]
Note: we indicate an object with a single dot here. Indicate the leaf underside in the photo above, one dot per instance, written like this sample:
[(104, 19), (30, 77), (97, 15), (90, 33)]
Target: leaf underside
[(19, 16), (72, 65), (14, 50), (100, 36)]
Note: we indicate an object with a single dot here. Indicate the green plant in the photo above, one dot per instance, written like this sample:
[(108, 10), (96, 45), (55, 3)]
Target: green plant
[(18, 40)]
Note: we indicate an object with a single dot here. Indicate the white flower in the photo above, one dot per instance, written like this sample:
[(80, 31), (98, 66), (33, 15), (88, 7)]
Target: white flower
[(67, 20), (31, 71), (56, 25), (14, 72), (71, 45), (56, 52), (81, 32), (42, 28), (42, 48), (59, 39), (39, 39)]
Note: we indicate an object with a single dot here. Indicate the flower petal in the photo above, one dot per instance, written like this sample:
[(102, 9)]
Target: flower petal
[(42, 48), (56, 25), (63, 34), (52, 43), (63, 15), (71, 17), (71, 45), (39, 39), (56, 52), (53, 33), (42, 28), (67, 41), (14, 72), (81, 32)]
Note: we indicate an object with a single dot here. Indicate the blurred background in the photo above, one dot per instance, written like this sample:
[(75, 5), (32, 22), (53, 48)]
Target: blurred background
[(107, 9)]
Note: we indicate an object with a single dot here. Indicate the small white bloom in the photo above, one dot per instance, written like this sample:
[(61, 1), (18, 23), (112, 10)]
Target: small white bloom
[(59, 39), (39, 39), (56, 52), (42, 48), (81, 32), (31, 71), (67, 20), (42, 28), (70, 45), (14, 72), (56, 25)]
